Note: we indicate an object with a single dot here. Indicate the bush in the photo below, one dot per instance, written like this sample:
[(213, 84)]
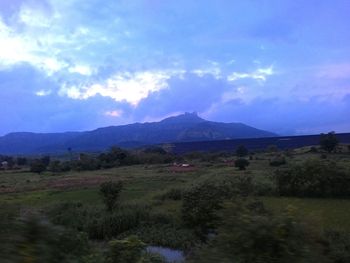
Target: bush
[(172, 194), (166, 235), (152, 258), (277, 161), (337, 246), (199, 207), (313, 179), (254, 235), (241, 164), (101, 225), (37, 166), (36, 240), (241, 151), (110, 192), (328, 142), (125, 251)]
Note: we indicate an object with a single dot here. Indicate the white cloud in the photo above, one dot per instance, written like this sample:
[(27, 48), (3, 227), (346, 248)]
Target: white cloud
[(42, 93), (33, 17), (212, 69), (82, 70), (125, 86), (114, 113), (260, 74)]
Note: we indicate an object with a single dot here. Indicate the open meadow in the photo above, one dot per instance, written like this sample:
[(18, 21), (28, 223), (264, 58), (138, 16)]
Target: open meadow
[(152, 207)]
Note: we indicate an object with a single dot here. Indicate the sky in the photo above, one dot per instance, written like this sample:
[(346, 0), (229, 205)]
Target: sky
[(74, 65)]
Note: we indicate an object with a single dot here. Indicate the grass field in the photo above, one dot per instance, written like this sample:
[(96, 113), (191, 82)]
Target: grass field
[(145, 183)]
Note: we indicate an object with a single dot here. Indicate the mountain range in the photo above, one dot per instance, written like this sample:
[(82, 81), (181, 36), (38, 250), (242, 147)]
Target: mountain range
[(182, 128)]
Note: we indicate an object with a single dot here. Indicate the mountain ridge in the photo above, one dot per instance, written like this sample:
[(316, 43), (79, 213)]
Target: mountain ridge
[(182, 128)]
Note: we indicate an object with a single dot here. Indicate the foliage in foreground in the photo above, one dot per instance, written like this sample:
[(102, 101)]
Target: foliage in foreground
[(313, 178), (110, 192), (200, 206)]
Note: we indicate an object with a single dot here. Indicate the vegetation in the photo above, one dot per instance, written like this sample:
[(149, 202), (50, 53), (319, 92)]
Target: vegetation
[(213, 212), (199, 208), (241, 151), (110, 192), (313, 178), (328, 142), (241, 163)]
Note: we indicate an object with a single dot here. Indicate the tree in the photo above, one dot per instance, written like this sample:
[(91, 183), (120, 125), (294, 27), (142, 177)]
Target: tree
[(110, 192), (241, 163), (241, 151), (328, 142), (37, 166)]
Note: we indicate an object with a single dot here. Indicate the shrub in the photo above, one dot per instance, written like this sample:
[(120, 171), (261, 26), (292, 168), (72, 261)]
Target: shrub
[(55, 166), (36, 240), (68, 214), (199, 207), (277, 161), (313, 179), (241, 164), (165, 235), (101, 225), (241, 151), (125, 251), (152, 258), (328, 142), (110, 192), (37, 166), (337, 246), (253, 235), (172, 194)]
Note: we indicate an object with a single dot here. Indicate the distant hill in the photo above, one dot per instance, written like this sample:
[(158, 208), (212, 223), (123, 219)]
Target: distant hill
[(182, 128)]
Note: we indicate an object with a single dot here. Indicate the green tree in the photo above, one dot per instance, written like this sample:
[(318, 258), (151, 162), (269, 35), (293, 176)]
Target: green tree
[(328, 142), (241, 151), (110, 192)]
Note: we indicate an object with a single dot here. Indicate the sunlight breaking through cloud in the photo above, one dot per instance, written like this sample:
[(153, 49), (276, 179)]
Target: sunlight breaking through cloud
[(125, 86)]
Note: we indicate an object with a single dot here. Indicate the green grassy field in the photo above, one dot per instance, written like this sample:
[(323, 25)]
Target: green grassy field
[(145, 183)]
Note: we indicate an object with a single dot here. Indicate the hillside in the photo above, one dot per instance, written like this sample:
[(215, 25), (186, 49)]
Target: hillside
[(182, 128)]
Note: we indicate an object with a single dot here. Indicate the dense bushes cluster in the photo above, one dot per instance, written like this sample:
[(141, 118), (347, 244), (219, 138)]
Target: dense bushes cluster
[(277, 161), (313, 178), (200, 206), (96, 222), (252, 234)]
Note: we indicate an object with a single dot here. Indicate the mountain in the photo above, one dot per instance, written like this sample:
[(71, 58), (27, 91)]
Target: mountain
[(182, 128)]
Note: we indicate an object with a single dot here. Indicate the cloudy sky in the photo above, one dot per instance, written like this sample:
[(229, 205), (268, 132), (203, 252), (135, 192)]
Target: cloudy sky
[(282, 66)]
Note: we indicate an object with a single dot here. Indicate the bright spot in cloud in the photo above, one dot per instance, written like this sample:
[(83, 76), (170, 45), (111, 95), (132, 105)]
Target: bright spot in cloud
[(260, 74), (81, 69), (114, 113), (42, 93)]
